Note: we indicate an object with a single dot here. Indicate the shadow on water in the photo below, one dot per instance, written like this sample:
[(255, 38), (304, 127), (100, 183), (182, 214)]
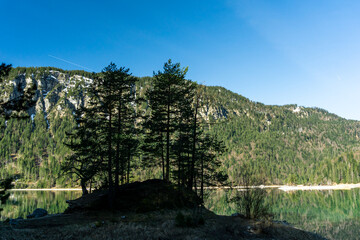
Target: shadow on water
[(334, 214), (22, 203)]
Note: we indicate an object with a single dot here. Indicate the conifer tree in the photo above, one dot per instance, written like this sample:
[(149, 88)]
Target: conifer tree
[(4, 71), (200, 151), (125, 100), (207, 168), (87, 157), (103, 103), (183, 144), (170, 90), (109, 121)]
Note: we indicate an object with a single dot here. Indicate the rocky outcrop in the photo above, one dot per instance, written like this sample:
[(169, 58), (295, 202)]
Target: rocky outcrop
[(144, 196), (39, 212)]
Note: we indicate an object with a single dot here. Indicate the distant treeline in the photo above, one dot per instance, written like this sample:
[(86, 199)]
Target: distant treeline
[(37, 72)]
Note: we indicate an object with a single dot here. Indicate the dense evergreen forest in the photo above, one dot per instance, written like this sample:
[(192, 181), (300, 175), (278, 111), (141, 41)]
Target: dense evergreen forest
[(44, 146)]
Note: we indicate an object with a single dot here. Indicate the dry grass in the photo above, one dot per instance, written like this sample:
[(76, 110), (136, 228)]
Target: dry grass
[(152, 225)]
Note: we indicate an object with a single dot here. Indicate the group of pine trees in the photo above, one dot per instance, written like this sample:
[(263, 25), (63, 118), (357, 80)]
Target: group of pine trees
[(111, 132)]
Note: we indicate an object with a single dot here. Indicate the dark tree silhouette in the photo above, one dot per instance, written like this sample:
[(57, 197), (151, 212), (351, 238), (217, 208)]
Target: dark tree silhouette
[(166, 98), (107, 136), (105, 132), (4, 70), (87, 157)]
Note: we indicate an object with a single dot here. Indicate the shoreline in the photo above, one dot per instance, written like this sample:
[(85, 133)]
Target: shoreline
[(44, 189), (344, 186), (285, 188)]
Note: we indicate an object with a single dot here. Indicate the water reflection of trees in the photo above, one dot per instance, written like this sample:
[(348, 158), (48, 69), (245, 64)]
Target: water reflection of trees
[(22, 203), (333, 214)]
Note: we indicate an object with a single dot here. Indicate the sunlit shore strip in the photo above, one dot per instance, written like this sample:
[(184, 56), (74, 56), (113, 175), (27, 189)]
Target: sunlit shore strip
[(243, 187), (46, 189), (321, 187), (280, 187), (297, 187)]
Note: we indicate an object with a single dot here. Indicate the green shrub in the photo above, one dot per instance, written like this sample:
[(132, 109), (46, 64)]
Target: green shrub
[(249, 200), (189, 220)]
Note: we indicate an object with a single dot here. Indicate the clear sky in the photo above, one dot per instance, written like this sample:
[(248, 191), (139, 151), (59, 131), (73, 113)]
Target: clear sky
[(302, 52)]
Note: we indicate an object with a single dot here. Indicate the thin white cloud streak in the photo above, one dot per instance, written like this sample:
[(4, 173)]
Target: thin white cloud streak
[(78, 65)]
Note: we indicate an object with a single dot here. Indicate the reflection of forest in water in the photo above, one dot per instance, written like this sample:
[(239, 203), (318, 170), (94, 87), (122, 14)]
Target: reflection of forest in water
[(23, 203), (333, 214)]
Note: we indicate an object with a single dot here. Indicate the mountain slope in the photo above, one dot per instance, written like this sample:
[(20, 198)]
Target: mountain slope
[(287, 144)]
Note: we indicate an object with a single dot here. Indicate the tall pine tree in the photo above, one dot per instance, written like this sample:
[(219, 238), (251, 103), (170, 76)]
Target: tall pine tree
[(166, 99)]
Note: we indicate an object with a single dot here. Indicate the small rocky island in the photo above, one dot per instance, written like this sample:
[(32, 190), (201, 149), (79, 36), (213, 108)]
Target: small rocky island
[(153, 209)]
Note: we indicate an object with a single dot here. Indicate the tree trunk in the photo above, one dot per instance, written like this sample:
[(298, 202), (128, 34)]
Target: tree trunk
[(179, 168), (162, 156), (192, 169), (111, 187), (167, 174), (202, 180), (83, 187), (90, 185), (117, 162), (128, 167)]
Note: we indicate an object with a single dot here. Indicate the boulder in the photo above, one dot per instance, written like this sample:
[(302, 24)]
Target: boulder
[(39, 212)]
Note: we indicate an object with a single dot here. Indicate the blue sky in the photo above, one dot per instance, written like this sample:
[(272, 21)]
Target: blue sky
[(276, 52)]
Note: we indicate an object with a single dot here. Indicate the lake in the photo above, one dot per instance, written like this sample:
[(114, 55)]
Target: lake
[(23, 203), (334, 214)]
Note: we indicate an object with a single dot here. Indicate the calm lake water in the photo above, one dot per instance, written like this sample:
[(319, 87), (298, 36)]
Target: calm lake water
[(23, 203), (333, 214)]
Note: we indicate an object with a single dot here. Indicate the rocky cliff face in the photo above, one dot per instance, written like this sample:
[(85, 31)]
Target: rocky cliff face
[(57, 91), (54, 92)]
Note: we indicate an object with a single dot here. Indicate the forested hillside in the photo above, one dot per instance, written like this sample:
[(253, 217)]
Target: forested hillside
[(286, 144)]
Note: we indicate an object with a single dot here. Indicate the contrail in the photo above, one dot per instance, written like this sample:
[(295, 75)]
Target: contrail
[(71, 63)]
